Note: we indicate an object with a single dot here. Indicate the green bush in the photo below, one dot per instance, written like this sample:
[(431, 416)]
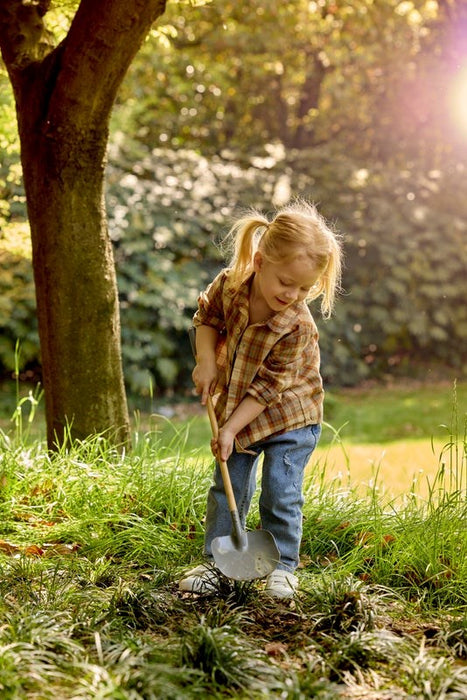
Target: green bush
[(17, 299), (405, 232), (403, 306)]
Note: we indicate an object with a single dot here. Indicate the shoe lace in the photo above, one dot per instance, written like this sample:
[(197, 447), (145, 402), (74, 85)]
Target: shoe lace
[(281, 578)]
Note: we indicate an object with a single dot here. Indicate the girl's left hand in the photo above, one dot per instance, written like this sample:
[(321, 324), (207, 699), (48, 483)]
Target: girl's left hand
[(223, 446)]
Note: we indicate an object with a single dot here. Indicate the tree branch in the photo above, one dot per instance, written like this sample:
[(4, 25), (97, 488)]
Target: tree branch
[(83, 75), (24, 38), (102, 41)]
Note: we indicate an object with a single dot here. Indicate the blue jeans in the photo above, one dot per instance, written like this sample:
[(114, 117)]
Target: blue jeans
[(281, 499)]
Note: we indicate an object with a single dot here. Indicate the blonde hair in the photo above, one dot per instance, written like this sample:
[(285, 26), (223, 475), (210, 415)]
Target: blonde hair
[(296, 229)]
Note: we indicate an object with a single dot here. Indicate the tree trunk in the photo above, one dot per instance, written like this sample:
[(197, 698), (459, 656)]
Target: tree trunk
[(63, 99), (76, 292)]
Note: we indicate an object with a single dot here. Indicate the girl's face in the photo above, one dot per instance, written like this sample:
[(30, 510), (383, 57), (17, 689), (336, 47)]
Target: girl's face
[(281, 284)]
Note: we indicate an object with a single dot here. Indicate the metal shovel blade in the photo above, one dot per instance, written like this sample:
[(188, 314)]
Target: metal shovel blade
[(256, 557)]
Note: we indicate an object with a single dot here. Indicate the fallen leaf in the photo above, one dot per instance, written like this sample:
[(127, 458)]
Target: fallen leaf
[(33, 550), (387, 539), (364, 577), (363, 538), (326, 559), (60, 549), (305, 561), (276, 649), (343, 526), (8, 548)]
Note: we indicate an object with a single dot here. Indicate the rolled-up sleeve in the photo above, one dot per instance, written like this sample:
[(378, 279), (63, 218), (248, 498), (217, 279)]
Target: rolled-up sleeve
[(210, 310)]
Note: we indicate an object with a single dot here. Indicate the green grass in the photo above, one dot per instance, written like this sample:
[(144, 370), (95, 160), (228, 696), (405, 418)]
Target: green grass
[(402, 411), (396, 435), (92, 544)]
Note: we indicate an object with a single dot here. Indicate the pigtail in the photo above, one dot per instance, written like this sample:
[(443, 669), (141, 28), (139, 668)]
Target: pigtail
[(242, 240), (331, 278)]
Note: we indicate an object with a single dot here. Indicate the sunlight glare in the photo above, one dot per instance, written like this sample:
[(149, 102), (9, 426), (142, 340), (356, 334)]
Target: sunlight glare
[(458, 100)]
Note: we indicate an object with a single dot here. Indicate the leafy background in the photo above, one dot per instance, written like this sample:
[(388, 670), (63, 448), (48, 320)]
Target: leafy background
[(233, 105)]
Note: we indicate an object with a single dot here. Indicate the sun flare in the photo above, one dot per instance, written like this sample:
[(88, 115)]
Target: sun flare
[(458, 100)]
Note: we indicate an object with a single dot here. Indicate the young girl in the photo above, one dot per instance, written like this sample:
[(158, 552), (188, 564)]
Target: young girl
[(257, 354)]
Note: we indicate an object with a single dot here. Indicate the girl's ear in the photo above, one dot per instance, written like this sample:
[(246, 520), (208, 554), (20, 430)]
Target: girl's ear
[(257, 261)]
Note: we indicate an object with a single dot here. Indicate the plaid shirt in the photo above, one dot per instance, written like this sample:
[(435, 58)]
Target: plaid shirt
[(275, 361)]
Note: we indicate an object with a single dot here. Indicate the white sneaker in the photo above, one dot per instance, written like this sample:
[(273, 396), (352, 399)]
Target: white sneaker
[(202, 579), (281, 584)]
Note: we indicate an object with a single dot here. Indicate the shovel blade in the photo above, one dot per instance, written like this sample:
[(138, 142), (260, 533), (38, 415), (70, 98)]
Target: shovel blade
[(257, 557)]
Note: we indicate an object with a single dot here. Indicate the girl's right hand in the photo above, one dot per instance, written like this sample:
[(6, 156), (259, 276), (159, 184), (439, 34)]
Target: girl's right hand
[(205, 379)]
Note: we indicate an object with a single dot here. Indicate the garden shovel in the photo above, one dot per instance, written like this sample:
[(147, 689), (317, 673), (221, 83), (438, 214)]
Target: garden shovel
[(241, 555)]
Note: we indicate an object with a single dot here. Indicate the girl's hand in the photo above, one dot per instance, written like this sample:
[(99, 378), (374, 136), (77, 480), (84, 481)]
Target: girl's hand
[(222, 447), (204, 378)]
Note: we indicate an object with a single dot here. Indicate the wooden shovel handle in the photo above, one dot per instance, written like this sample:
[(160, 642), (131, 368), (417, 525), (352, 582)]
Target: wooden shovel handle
[(215, 432), (222, 463)]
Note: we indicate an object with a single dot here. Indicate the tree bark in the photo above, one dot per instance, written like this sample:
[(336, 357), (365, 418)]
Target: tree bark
[(64, 97)]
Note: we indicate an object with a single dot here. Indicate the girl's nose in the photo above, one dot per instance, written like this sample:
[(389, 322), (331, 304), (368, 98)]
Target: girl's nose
[(291, 294)]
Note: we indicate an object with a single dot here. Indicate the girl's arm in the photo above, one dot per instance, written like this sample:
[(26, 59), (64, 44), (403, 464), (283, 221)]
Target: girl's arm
[(247, 410), (205, 372)]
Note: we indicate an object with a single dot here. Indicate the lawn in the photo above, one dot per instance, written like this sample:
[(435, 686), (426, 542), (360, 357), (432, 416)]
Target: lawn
[(93, 542), (396, 436)]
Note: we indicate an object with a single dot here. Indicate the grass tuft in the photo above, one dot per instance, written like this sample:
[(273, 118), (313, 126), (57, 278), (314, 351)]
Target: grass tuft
[(93, 543)]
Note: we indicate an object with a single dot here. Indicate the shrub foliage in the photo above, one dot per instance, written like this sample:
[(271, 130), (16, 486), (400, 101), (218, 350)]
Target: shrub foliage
[(405, 245)]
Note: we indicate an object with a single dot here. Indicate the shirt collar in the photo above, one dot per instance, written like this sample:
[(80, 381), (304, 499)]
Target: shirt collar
[(285, 319)]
